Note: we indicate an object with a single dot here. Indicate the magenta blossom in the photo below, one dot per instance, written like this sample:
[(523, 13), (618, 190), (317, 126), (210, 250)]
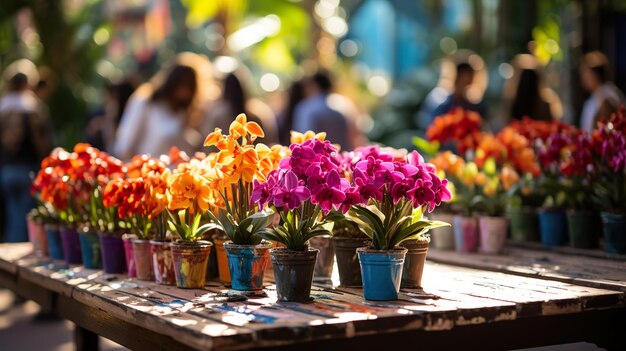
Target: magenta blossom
[(291, 194)]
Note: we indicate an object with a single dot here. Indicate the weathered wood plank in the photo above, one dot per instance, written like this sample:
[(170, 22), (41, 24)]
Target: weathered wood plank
[(592, 272), (10, 253)]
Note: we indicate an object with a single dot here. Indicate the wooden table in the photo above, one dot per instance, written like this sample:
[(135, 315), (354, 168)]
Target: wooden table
[(459, 307)]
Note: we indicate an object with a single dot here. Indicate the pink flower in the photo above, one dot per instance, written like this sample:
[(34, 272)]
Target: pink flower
[(291, 194), (330, 195)]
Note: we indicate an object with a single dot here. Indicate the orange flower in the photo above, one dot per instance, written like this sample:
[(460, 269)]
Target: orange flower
[(240, 127), (189, 191), (509, 177)]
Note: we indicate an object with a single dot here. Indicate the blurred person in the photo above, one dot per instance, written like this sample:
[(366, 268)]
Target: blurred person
[(458, 98), (235, 100), (24, 143), (103, 124), (164, 112), (295, 95), (605, 96), (526, 95), (315, 113)]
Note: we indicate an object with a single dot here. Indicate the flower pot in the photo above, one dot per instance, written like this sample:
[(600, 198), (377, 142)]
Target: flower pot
[(190, 262), (382, 272), (492, 234), (53, 236), (212, 271), (131, 266), (348, 261), (113, 256), (222, 259), (143, 259), (293, 272), (90, 247), (247, 264), (524, 224), (162, 262), (37, 237), (71, 246), (582, 229), (553, 227), (614, 228), (465, 234), (325, 257), (442, 237), (414, 263)]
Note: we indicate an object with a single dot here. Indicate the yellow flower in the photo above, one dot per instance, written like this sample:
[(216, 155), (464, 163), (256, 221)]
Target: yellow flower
[(299, 138), (188, 190)]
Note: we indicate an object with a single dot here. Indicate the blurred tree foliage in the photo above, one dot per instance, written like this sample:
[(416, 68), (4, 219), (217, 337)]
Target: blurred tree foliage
[(66, 47)]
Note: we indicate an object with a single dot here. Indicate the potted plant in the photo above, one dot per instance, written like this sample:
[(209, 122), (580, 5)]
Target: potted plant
[(347, 237), (446, 162), (303, 190), (465, 225), (609, 189), (232, 171), (491, 201), (116, 258), (35, 221), (189, 198), (388, 200)]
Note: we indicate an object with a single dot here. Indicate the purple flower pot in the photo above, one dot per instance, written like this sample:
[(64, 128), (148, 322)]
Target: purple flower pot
[(71, 246), (113, 259), (465, 234)]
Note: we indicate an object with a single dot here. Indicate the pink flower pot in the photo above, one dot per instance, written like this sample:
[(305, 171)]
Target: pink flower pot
[(131, 268), (465, 233), (37, 237), (492, 234)]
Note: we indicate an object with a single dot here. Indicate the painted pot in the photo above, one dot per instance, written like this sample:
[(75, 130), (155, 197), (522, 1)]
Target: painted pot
[(131, 266), (222, 258), (143, 259), (348, 261), (553, 227), (524, 224), (293, 273), (90, 248), (53, 237), (414, 262), (325, 257), (582, 229), (113, 256), (162, 262), (614, 228), (71, 246), (465, 234), (247, 264), (442, 238), (493, 232), (382, 272), (37, 237), (190, 262)]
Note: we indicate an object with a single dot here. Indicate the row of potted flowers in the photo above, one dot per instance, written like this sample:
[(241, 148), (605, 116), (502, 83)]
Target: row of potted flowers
[(554, 182), (243, 196)]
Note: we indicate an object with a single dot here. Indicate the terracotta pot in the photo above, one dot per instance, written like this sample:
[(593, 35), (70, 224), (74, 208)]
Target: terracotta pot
[(190, 262), (492, 234), (37, 237), (293, 272), (414, 262), (348, 261), (143, 259), (325, 257), (222, 259), (162, 262), (442, 237), (465, 233), (247, 264)]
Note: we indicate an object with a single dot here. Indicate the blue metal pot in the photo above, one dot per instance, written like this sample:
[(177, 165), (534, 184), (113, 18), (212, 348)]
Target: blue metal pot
[(55, 248), (90, 248), (381, 271), (614, 227), (247, 264), (553, 227)]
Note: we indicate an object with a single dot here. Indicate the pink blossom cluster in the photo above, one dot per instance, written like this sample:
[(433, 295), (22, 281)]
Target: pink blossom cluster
[(610, 141), (315, 172)]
